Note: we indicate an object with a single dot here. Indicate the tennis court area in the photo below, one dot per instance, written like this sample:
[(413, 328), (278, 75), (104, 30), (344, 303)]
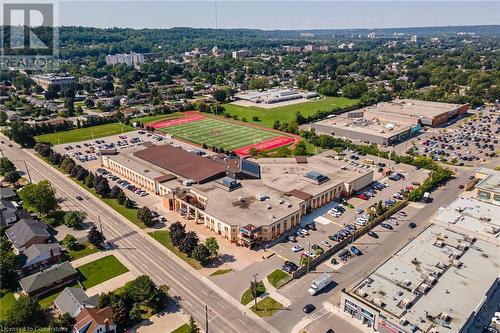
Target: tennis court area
[(213, 132)]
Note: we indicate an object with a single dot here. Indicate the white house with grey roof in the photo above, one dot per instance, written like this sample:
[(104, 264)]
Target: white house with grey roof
[(72, 300)]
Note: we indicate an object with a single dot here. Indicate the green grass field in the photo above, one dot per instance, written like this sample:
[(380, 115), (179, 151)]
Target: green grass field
[(247, 296), (82, 250), (219, 133), (277, 278), (287, 113), (100, 270), (149, 119), (267, 307), (82, 134)]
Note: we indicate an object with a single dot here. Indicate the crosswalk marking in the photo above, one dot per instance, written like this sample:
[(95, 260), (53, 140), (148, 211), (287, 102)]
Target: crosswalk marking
[(318, 314)]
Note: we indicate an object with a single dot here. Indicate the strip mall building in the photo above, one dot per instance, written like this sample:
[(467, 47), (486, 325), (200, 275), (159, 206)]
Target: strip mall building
[(247, 202)]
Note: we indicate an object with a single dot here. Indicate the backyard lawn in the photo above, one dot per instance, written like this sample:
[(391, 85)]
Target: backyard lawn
[(267, 307), (81, 250), (82, 134), (278, 278), (101, 270), (287, 113), (163, 237), (247, 296)]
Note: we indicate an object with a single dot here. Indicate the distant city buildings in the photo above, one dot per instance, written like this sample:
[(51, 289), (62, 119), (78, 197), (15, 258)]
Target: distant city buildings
[(413, 39), (131, 59), (63, 81), (344, 46), (240, 54)]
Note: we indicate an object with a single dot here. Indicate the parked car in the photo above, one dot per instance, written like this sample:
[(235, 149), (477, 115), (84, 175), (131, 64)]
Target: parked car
[(292, 238), (372, 234), (412, 225), (304, 232), (356, 251), (386, 225), (326, 243), (297, 248), (401, 213)]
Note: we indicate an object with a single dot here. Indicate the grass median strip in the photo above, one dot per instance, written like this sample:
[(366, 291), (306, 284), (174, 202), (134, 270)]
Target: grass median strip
[(163, 237), (101, 270), (266, 307), (247, 296), (183, 329)]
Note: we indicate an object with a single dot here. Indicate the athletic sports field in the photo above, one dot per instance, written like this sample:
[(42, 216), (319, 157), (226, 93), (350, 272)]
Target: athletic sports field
[(230, 136)]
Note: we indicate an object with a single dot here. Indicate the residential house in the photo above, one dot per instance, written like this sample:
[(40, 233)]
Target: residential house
[(93, 320), (27, 232), (6, 193), (8, 211), (40, 256), (52, 278), (73, 300)]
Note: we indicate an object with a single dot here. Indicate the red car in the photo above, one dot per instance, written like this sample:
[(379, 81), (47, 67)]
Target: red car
[(362, 196)]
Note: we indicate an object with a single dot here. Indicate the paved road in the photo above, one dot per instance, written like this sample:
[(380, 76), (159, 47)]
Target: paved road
[(146, 255), (359, 267)]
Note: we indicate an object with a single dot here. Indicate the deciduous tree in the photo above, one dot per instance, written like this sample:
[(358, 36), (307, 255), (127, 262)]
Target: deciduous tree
[(39, 197)]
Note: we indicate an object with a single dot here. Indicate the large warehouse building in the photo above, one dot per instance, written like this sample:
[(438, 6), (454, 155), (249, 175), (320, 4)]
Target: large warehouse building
[(390, 123), (439, 282), (245, 201)]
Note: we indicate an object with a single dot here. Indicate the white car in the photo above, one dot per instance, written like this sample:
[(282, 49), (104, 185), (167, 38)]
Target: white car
[(336, 214), (309, 254), (333, 211), (297, 248), (304, 232), (299, 234), (360, 222), (326, 243)]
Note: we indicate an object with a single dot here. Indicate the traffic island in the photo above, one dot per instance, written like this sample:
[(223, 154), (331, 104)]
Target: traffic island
[(266, 307)]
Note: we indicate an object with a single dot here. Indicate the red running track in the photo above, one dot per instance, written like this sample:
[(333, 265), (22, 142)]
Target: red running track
[(265, 145), (175, 122)]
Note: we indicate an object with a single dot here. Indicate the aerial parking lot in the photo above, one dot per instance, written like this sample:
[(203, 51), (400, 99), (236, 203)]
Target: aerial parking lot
[(468, 142), (338, 220)]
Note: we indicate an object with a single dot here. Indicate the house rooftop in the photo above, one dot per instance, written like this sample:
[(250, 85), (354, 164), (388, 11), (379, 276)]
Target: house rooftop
[(24, 230), (37, 281)]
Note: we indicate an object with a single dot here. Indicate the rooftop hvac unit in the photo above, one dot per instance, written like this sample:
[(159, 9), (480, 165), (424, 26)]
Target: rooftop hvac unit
[(463, 247), (439, 243), (423, 288), (456, 263), (268, 206), (455, 255), (406, 283), (403, 321), (430, 280), (441, 265), (289, 205), (436, 273), (470, 239), (378, 302), (361, 292)]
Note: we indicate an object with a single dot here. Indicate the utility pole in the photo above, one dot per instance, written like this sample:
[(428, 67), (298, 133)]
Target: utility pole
[(206, 318), (27, 171)]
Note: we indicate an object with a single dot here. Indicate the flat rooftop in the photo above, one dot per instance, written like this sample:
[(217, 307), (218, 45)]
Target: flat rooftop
[(492, 182), (285, 174), (423, 284), (472, 216), (241, 207), (181, 162), (413, 108), (378, 127)]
